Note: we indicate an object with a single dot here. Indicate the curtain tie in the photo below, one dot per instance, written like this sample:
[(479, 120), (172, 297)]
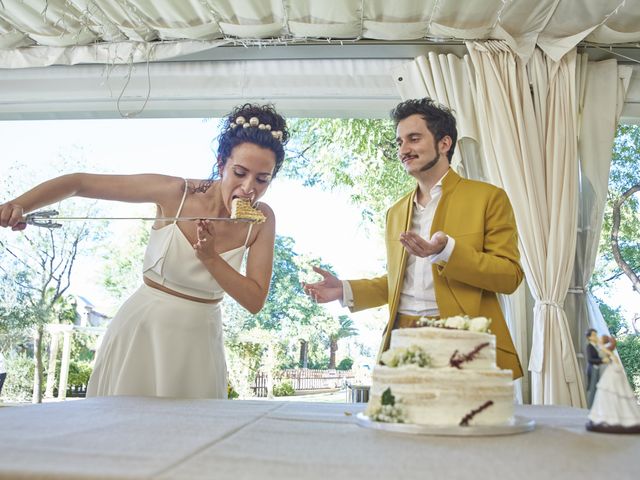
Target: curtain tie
[(577, 290), (549, 303)]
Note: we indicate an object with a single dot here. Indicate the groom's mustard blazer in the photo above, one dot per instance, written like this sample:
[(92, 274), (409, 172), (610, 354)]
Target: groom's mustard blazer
[(485, 260)]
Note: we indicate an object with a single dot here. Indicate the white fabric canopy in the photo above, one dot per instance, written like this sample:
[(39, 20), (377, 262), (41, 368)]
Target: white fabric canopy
[(46, 32), (300, 88)]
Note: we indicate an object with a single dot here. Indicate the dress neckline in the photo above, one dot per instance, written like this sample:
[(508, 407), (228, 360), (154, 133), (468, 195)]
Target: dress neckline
[(182, 235)]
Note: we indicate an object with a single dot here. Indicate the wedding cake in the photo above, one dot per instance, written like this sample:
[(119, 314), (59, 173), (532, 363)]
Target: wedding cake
[(442, 373)]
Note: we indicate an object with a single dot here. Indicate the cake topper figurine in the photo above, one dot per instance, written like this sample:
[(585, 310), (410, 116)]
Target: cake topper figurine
[(615, 408)]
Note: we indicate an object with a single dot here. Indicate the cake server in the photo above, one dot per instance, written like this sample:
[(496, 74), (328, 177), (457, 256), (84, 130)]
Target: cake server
[(45, 218)]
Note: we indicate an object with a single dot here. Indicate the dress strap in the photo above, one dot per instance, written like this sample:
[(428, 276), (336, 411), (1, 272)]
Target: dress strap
[(184, 196), (246, 241)]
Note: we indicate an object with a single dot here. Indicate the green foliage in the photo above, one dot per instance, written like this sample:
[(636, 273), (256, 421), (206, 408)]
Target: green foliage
[(356, 154), (629, 349), (36, 264), (318, 362), (79, 373), (388, 398), (345, 329), (288, 316), (231, 392), (283, 389), (613, 318), (345, 364), (123, 262), (18, 385)]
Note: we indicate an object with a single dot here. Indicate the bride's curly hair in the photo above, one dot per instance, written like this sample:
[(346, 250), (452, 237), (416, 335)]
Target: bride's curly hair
[(233, 134)]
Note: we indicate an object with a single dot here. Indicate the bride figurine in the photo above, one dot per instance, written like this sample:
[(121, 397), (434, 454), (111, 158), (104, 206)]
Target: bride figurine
[(615, 408)]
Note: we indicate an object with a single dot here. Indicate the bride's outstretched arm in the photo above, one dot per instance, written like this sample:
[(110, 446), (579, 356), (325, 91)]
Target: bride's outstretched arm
[(125, 188)]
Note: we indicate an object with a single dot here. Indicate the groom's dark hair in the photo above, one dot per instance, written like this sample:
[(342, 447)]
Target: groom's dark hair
[(440, 121)]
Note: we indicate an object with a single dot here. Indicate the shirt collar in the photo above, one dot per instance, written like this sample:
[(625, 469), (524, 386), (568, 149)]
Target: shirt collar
[(437, 188)]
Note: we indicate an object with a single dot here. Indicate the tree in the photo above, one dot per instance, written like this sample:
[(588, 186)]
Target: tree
[(289, 321), (123, 262), (39, 263), (357, 154), (36, 266), (620, 240), (345, 330), (619, 249)]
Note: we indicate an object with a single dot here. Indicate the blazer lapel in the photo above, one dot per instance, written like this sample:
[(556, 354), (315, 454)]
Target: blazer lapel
[(449, 183), (399, 221)]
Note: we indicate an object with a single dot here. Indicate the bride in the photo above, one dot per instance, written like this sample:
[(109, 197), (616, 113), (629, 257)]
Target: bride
[(166, 339)]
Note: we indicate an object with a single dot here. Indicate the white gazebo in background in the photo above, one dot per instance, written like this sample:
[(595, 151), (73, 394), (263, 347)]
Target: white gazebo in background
[(538, 89)]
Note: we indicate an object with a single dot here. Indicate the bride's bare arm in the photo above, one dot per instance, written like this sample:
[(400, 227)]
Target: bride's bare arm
[(251, 290), (150, 188)]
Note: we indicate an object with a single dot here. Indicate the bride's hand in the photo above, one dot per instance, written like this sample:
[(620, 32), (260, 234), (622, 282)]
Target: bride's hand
[(205, 243), (12, 215)]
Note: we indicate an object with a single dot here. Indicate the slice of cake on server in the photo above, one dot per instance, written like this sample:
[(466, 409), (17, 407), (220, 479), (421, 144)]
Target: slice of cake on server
[(241, 209), (442, 373)]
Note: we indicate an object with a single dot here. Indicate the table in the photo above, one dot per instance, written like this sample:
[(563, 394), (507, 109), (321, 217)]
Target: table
[(133, 438)]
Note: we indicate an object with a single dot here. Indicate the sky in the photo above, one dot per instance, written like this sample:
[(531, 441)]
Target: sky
[(323, 224)]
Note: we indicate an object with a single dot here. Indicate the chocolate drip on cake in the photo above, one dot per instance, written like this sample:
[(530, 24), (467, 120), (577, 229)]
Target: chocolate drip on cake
[(458, 359), (465, 420)]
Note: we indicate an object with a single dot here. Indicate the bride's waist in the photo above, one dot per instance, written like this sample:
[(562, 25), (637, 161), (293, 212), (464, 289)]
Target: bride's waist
[(157, 286)]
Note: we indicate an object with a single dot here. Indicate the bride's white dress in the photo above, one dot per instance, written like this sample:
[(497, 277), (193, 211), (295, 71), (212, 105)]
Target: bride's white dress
[(162, 345)]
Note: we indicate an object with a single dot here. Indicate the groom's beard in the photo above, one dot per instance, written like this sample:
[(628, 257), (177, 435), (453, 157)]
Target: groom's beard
[(431, 164)]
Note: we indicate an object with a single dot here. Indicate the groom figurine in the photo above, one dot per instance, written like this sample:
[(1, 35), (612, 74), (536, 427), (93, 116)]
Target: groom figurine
[(451, 242)]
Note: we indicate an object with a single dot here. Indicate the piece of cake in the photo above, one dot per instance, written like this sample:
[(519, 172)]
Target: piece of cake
[(442, 374), (241, 209)]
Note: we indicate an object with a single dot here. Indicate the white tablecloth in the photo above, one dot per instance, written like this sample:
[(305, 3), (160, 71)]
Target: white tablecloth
[(130, 438)]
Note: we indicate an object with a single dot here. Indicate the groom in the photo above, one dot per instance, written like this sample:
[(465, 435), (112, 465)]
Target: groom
[(451, 243)]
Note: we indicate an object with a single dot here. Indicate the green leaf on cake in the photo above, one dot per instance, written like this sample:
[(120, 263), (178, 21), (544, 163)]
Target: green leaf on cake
[(388, 398)]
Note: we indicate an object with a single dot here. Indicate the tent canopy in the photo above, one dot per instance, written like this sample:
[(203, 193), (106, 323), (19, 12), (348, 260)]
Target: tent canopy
[(82, 59), (77, 31)]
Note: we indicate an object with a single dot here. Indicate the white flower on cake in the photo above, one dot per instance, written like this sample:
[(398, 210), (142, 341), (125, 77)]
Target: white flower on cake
[(479, 324), (413, 355), (459, 323), (476, 324), (388, 410)]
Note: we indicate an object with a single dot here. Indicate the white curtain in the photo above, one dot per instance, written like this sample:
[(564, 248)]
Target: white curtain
[(528, 123), (448, 79), (601, 88)]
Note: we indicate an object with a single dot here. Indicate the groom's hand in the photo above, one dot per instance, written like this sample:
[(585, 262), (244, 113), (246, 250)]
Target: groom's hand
[(326, 290), (421, 247)]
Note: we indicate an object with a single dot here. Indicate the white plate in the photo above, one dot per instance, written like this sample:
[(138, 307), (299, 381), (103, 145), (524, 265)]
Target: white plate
[(518, 425)]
